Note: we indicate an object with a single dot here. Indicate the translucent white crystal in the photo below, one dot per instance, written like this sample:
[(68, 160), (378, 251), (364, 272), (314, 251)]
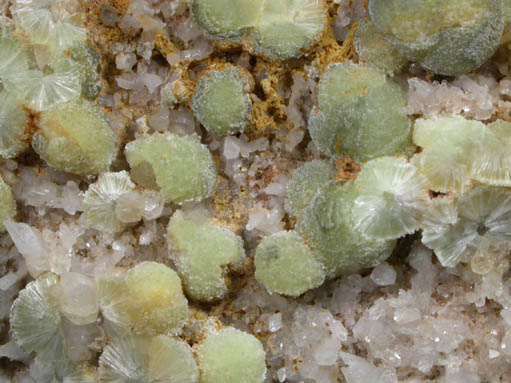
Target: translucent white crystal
[(78, 298), (30, 244), (384, 275)]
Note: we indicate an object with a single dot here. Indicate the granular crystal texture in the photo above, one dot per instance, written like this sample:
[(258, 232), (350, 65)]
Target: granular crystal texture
[(360, 112), (180, 167), (221, 101), (446, 37), (231, 356), (286, 265), (204, 254)]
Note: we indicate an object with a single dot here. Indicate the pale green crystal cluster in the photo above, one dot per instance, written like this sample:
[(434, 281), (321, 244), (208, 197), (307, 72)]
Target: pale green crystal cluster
[(370, 173)]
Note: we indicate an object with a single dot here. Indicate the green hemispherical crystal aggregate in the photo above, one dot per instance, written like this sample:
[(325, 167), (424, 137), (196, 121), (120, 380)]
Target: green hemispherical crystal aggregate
[(231, 356), (204, 254), (181, 168), (286, 265), (450, 37), (360, 113), (221, 100)]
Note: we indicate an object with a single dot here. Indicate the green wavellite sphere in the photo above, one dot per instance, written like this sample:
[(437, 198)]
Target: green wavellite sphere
[(221, 101), (181, 168), (329, 227), (204, 254), (360, 112), (449, 37), (231, 356), (75, 137), (226, 19), (286, 265)]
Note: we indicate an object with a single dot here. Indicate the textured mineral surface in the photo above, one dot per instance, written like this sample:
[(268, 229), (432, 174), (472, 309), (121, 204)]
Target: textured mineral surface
[(255, 191)]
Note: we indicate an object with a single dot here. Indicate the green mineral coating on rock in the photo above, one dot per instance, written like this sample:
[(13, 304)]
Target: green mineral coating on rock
[(231, 356), (180, 167), (204, 253), (226, 19), (7, 204), (328, 225), (35, 320), (375, 51), (221, 101), (448, 37), (287, 27), (360, 113), (14, 138), (304, 183), (75, 137), (286, 265)]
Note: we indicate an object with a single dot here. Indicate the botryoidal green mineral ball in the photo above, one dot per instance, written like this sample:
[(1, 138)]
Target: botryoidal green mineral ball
[(147, 359), (361, 113), (231, 356), (221, 101), (287, 28), (204, 253), (36, 322), (304, 183), (7, 204), (329, 227), (181, 168), (286, 265), (448, 37), (226, 19), (375, 51), (478, 222), (149, 300), (76, 138)]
